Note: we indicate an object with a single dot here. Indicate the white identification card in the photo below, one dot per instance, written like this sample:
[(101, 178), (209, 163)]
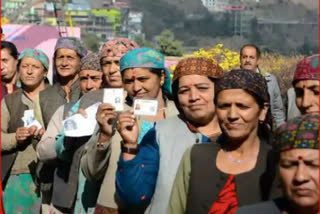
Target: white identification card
[(115, 97), (30, 120), (145, 107)]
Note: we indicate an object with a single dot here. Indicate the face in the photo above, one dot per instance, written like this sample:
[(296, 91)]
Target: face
[(111, 71), (195, 95), (307, 96), (67, 62), (299, 173), (141, 83), (239, 113), (249, 59), (90, 80), (32, 72), (8, 65)]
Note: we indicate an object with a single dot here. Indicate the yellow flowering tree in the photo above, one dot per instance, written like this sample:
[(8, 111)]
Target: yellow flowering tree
[(227, 59)]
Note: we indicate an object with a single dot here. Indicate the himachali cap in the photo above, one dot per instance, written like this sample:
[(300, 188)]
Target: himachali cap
[(37, 55), (307, 69), (91, 62), (146, 58), (246, 80), (199, 66), (298, 133), (117, 47), (72, 43)]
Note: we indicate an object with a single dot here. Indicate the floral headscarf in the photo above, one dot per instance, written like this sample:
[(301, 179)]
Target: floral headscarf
[(146, 58), (117, 47), (90, 62), (307, 69), (37, 55)]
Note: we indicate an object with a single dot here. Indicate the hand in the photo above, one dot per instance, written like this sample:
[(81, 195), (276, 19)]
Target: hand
[(35, 132), (22, 134), (128, 127), (105, 117)]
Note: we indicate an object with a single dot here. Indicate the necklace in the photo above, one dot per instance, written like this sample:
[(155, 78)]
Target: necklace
[(232, 159)]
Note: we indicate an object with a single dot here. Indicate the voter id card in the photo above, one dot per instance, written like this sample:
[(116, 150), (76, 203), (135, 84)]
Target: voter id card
[(115, 97), (145, 107)]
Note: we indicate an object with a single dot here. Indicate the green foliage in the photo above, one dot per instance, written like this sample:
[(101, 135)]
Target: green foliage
[(91, 41), (144, 43), (168, 46)]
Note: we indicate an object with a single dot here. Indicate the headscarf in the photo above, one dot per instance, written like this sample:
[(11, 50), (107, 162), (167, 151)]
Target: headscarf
[(72, 43), (307, 69), (247, 80), (117, 47), (298, 133), (90, 62), (146, 58), (37, 55), (197, 65)]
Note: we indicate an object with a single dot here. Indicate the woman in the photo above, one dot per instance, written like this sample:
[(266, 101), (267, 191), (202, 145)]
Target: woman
[(20, 194), (306, 84), (297, 144), (144, 76), (162, 148), (237, 162)]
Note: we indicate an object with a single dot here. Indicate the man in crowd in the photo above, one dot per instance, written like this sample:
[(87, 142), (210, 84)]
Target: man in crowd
[(249, 59)]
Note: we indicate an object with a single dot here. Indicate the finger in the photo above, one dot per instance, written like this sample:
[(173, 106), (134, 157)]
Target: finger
[(83, 113), (105, 106)]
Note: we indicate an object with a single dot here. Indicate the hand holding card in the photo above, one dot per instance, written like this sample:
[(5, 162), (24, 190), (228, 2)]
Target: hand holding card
[(115, 97)]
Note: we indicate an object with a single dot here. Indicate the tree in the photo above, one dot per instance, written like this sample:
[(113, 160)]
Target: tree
[(91, 41), (144, 43), (167, 45)]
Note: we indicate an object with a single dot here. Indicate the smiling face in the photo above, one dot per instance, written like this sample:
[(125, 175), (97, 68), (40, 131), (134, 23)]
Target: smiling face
[(67, 62), (32, 72), (111, 71), (195, 96), (307, 96), (299, 173), (142, 83), (239, 114)]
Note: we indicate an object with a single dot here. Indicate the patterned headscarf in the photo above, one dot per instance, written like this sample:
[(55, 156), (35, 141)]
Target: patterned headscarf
[(37, 55), (146, 58), (244, 79), (72, 43), (90, 62), (307, 69), (197, 65), (117, 47), (298, 133)]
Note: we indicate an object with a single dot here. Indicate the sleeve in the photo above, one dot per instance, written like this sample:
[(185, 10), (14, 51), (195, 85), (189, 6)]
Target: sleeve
[(8, 140), (277, 109), (46, 148), (178, 199), (136, 179), (94, 162)]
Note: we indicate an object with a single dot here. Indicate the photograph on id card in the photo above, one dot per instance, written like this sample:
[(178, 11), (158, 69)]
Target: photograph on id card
[(145, 107), (115, 97)]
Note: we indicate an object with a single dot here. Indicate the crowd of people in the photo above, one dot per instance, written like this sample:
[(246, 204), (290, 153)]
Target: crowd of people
[(220, 142)]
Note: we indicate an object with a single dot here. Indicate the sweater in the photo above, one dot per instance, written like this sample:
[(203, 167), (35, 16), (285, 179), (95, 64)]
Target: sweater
[(148, 178)]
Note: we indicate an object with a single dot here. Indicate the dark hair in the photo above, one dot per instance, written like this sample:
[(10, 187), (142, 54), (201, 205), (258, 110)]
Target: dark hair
[(253, 46), (11, 47)]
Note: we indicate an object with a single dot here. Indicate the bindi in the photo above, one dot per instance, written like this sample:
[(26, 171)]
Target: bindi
[(190, 85), (300, 158)]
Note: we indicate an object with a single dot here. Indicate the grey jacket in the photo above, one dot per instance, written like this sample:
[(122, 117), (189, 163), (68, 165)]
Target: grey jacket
[(276, 104)]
